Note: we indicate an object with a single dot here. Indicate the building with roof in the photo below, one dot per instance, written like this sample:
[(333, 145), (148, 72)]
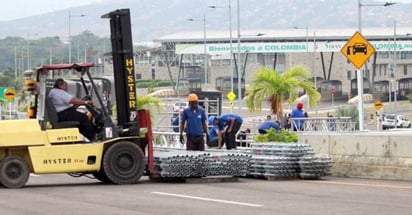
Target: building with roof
[(196, 55)]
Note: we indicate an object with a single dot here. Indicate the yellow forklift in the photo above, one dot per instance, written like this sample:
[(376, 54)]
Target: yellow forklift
[(43, 145)]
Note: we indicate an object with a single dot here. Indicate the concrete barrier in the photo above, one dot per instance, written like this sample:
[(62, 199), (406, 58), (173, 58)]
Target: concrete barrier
[(375, 155)]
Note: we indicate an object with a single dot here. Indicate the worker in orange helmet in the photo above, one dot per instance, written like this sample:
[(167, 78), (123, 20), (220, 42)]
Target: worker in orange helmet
[(194, 120), (298, 112)]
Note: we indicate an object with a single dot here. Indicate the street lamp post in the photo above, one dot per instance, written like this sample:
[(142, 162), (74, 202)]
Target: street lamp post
[(204, 45), (28, 52), (231, 45), (239, 80), (314, 67), (70, 37), (359, 71), (394, 70)]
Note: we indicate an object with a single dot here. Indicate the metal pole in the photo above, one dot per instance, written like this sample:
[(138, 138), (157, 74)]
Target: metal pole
[(359, 75), (78, 51), (28, 51), (70, 41), (231, 50), (359, 71), (15, 64), (204, 46), (394, 72), (314, 70), (239, 80)]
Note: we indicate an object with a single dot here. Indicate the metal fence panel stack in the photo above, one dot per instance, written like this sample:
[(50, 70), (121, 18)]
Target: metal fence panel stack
[(179, 163), (287, 159)]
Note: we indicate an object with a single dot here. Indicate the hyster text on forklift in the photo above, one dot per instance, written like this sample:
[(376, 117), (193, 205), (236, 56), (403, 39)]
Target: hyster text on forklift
[(42, 145)]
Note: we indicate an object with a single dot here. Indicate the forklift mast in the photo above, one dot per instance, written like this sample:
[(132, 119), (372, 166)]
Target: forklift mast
[(123, 69)]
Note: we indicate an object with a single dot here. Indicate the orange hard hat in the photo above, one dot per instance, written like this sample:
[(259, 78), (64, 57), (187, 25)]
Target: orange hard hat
[(192, 97), (299, 105)]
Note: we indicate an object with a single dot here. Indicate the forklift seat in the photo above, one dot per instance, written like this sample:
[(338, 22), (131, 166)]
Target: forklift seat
[(51, 116)]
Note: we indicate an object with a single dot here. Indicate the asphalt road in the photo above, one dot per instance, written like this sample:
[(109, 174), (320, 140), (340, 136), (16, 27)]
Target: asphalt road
[(62, 194)]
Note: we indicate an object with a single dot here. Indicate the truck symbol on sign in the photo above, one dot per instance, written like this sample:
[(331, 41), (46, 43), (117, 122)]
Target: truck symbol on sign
[(357, 48)]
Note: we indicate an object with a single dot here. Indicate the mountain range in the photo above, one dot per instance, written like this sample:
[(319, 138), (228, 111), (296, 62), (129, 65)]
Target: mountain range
[(156, 18)]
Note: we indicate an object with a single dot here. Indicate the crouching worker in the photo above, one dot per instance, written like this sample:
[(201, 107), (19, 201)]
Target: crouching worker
[(266, 125), (215, 135), (231, 123)]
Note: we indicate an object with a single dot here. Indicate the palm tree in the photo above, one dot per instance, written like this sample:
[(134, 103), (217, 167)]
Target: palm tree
[(272, 86), (146, 102), (149, 102)]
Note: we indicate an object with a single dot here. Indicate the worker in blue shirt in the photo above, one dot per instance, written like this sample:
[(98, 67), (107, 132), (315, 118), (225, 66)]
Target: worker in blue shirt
[(175, 122), (215, 137), (266, 125), (297, 113), (232, 122), (194, 120)]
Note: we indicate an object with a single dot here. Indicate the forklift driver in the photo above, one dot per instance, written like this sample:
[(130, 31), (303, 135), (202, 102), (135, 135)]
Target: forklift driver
[(65, 105)]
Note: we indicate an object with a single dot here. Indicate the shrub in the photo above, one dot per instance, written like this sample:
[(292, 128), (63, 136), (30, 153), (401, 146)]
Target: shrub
[(153, 83), (351, 111), (272, 135)]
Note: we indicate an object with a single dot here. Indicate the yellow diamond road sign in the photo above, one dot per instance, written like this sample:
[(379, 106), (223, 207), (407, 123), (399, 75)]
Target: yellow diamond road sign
[(378, 104), (358, 50), (9, 93), (231, 96)]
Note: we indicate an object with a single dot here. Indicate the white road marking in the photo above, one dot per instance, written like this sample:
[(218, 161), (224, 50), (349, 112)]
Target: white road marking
[(365, 185), (208, 199)]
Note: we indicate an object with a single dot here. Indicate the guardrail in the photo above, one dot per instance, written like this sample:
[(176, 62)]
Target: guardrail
[(172, 140), (322, 124), (163, 118), (310, 124)]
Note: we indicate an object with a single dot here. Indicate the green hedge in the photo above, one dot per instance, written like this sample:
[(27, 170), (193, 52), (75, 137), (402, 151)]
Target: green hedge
[(153, 83), (272, 135)]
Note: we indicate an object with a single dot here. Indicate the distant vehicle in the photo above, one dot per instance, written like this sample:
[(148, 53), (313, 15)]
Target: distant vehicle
[(180, 106), (389, 121)]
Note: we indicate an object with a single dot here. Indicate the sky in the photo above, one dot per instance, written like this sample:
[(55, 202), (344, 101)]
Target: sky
[(16, 9)]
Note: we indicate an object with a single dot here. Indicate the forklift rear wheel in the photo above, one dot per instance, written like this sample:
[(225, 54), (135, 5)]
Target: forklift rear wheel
[(14, 172), (123, 163)]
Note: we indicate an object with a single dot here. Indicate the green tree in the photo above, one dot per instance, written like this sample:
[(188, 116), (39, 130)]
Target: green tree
[(149, 102), (7, 79), (274, 87), (146, 102)]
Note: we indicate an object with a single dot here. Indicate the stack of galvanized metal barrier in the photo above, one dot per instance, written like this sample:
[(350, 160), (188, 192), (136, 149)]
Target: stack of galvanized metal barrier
[(261, 159), (287, 160), (178, 163)]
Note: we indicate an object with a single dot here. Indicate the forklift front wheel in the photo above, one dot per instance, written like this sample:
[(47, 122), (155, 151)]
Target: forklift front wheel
[(123, 163), (14, 172), (101, 176)]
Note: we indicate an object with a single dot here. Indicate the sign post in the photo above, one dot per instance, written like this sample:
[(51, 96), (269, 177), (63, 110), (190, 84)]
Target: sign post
[(378, 105), (333, 91), (9, 94), (231, 96), (358, 50)]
